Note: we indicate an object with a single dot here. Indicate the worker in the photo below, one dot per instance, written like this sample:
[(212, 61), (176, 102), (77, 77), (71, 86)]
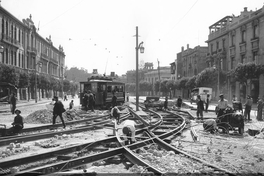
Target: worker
[(115, 113), (129, 131), (222, 105), (210, 125), (18, 123)]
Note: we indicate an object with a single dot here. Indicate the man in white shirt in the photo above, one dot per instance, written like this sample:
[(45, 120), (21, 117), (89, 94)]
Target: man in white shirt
[(222, 105), (210, 125), (129, 131)]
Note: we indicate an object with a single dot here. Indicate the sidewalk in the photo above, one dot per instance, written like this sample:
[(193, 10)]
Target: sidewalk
[(4, 105)]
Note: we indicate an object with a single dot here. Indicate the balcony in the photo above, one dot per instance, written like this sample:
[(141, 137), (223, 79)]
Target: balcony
[(10, 40), (255, 43), (32, 50)]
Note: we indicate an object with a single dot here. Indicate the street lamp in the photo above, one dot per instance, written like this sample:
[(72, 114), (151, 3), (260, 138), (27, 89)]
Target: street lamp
[(218, 78), (36, 87), (1, 51), (138, 46)]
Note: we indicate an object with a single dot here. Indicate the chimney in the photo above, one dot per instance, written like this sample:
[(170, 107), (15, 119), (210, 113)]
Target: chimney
[(187, 46), (182, 48), (245, 9)]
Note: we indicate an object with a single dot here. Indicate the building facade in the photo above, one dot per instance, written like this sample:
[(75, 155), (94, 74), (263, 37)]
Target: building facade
[(238, 39), (25, 49)]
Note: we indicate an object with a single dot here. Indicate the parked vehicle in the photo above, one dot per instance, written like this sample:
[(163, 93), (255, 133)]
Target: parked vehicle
[(203, 92), (153, 102)]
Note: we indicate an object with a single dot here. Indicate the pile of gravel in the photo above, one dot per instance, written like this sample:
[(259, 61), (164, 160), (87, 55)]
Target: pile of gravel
[(44, 116)]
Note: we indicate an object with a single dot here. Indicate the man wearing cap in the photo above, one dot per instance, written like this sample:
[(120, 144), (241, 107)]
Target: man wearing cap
[(129, 131), (58, 109), (222, 105), (248, 106), (18, 123), (200, 107)]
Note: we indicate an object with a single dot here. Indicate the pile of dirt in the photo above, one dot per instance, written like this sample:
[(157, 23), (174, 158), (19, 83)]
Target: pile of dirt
[(44, 116)]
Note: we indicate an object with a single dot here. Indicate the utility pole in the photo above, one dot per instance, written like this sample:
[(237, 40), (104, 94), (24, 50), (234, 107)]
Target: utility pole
[(159, 75)]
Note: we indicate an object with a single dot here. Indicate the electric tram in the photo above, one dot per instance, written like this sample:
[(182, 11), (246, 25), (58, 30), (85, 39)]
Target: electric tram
[(103, 88)]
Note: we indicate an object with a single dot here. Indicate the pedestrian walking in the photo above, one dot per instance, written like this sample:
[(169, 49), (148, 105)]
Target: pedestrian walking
[(58, 109), (129, 131), (114, 100), (85, 101), (65, 97), (207, 102), (71, 104), (115, 113), (18, 123), (166, 103), (13, 101), (260, 107), (200, 107), (91, 101), (221, 106), (248, 106), (127, 96), (179, 102)]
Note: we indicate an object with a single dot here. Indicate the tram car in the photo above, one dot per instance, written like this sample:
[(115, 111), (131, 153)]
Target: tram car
[(103, 88)]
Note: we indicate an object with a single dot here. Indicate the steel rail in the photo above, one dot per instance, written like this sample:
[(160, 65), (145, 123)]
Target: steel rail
[(168, 147), (47, 155), (46, 127)]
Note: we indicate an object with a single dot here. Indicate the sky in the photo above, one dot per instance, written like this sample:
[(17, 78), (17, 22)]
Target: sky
[(100, 34)]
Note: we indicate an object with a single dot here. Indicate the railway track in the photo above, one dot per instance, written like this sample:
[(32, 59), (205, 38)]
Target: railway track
[(153, 129)]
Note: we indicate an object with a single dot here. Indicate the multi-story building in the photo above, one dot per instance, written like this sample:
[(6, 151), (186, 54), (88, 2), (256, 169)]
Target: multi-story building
[(193, 60), (131, 75), (238, 39), (25, 49)]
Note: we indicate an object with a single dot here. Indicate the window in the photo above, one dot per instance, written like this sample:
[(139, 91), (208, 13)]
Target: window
[(243, 58), (223, 44), (243, 36), (255, 57), (217, 45), (255, 31), (232, 40), (221, 64), (232, 62), (212, 48)]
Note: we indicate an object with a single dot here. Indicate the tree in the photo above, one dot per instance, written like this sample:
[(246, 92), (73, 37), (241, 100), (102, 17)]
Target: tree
[(130, 87), (145, 86), (8, 74), (190, 84), (66, 85), (183, 81)]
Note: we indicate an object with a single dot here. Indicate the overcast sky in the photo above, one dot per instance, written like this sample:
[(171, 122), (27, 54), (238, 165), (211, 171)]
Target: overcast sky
[(99, 34)]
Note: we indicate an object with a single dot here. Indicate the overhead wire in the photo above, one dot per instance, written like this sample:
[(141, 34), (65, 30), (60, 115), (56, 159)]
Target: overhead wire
[(63, 13)]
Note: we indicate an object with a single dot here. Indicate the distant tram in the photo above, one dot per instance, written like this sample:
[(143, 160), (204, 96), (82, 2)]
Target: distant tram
[(103, 88)]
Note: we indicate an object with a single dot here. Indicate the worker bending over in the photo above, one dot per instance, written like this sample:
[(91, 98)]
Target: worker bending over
[(210, 126), (129, 131)]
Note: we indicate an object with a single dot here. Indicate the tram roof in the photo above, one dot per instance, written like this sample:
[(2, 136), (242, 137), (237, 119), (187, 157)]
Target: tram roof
[(102, 81)]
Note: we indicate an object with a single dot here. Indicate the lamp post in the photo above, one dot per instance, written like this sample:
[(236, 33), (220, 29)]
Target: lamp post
[(138, 46), (36, 81), (1, 51)]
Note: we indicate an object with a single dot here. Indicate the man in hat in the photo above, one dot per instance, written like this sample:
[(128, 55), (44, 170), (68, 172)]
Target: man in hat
[(18, 123), (13, 101), (222, 105), (248, 106), (58, 109), (129, 131), (200, 107)]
